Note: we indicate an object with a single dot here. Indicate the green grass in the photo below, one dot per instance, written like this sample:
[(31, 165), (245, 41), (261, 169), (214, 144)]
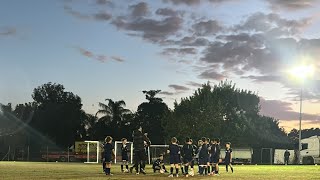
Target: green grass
[(36, 170)]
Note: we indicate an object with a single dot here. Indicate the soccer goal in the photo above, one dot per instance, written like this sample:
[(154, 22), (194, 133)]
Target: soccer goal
[(93, 151), (155, 150), (117, 150)]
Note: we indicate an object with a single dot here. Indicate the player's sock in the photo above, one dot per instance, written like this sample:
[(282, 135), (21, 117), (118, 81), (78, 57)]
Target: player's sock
[(177, 171), (227, 167), (104, 166), (182, 170), (209, 170), (107, 170), (201, 170), (171, 170), (127, 166), (205, 170), (122, 167), (186, 169), (231, 169)]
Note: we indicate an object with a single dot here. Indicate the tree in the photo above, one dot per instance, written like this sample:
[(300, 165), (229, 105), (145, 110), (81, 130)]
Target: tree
[(112, 119), (226, 112), (150, 115), (58, 113)]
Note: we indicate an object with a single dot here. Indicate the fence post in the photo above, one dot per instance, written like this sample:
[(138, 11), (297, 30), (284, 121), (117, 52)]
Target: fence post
[(9, 152), (28, 151), (68, 154), (47, 154)]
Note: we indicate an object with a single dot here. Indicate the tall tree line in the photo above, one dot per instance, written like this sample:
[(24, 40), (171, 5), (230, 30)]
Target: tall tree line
[(56, 117)]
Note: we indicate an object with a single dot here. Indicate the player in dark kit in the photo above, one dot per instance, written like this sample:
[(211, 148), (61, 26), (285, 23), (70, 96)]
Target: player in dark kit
[(228, 157), (215, 156), (174, 151), (139, 141), (158, 165), (208, 142), (124, 155), (203, 157), (108, 153), (187, 154), (286, 157)]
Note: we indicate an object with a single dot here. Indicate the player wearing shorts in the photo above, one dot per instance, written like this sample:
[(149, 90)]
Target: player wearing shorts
[(174, 151), (124, 155), (108, 153), (187, 154)]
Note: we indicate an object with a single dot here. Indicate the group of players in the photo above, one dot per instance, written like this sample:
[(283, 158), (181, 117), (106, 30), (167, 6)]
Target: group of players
[(206, 154)]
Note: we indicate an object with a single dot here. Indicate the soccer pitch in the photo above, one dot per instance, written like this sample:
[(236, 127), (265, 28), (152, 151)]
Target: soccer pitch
[(35, 170)]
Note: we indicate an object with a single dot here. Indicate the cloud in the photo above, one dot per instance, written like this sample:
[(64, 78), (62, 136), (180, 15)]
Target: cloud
[(207, 28), (187, 2), (178, 87), (212, 75), (282, 110), (103, 2), (257, 44), (167, 93), (271, 23), (150, 29), (76, 14), (291, 4), (166, 12), (139, 10), (193, 2), (8, 31), (102, 16), (86, 53), (194, 84), (179, 51), (98, 57), (193, 41), (266, 78), (116, 58)]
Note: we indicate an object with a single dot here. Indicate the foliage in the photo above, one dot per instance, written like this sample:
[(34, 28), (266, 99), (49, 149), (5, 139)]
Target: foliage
[(150, 115), (226, 112)]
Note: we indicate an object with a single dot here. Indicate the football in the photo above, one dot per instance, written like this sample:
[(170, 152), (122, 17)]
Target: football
[(162, 171)]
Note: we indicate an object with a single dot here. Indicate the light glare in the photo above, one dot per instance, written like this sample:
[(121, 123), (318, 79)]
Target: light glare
[(302, 72)]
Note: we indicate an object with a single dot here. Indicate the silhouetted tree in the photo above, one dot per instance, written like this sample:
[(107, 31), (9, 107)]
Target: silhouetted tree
[(112, 119), (58, 113), (226, 112), (150, 115)]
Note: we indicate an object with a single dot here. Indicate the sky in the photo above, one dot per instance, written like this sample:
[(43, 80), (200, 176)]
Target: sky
[(114, 49)]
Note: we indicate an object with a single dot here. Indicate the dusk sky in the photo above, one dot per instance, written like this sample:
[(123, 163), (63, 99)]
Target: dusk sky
[(102, 49)]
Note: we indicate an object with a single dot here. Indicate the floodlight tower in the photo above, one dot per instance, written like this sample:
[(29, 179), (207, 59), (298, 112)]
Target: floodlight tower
[(301, 73)]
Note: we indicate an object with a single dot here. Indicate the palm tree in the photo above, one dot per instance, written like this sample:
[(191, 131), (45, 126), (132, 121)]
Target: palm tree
[(113, 112)]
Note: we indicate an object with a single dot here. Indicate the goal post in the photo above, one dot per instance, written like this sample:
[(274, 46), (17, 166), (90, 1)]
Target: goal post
[(117, 151), (93, 151)]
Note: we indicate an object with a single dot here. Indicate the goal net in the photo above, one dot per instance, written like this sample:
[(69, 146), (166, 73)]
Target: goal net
[(93, 149), (155, 150), (117, 151)]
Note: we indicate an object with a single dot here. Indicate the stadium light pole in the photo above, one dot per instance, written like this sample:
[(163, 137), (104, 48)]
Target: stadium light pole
[(301, 73)]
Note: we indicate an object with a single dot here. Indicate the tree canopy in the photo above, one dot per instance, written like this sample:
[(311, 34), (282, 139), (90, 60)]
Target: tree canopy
[(226, 112)]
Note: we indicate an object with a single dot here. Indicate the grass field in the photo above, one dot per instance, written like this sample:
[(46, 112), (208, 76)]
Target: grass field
[(34, 170)]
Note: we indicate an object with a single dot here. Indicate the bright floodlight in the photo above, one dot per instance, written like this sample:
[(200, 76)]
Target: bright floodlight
[(302, 72)]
